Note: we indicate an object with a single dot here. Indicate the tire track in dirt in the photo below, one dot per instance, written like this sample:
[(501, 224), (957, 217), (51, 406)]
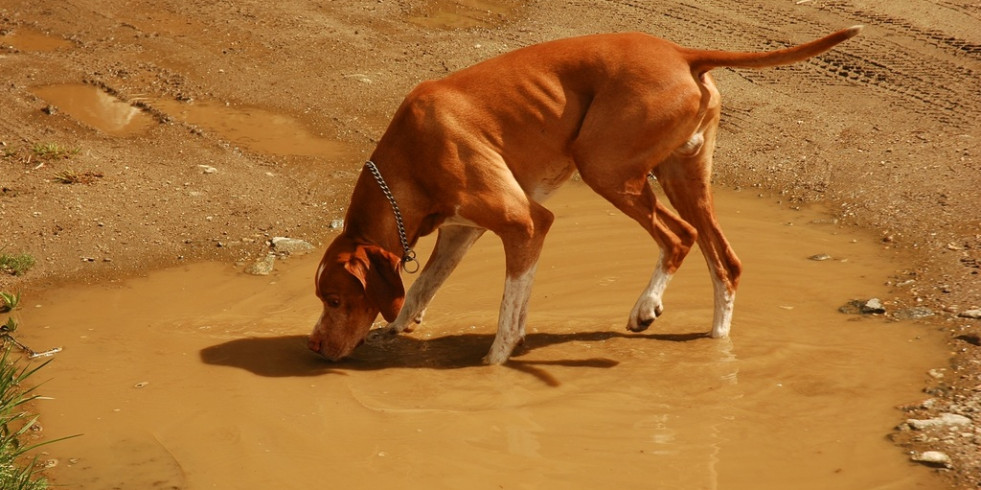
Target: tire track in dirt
[(935, 86), (970, 10), (934, 37)]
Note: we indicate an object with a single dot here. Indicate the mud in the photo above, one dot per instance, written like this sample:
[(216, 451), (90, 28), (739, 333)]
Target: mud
[(882, 130), (93, 106), (27, 39), (254, 128), (198, 377)]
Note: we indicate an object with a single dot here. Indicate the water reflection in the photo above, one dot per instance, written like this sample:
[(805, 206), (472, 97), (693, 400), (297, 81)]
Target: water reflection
[(96, 108), (255, 128)]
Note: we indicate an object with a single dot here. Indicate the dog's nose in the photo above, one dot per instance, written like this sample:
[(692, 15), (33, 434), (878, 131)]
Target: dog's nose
[(314, 344)]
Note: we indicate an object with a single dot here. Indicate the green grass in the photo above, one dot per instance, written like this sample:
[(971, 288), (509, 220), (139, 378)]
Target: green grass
[(38, 152), (8, 301), (52, 151), (16, 264), (67, 177), (16, 471)]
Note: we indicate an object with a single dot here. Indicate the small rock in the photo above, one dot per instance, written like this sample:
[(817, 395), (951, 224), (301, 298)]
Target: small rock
[(141, 384), (914, 313), (263, 266), (944, 420), (932, 458), (820, 257), (336, 224), (873, 307), (860, 306), (975, 314), (290, 245), (208, 169)]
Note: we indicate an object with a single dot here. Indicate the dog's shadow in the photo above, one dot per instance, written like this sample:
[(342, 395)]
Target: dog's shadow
[(288, 356)]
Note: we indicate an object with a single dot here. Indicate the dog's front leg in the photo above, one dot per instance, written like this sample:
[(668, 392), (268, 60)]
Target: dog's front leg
[(452, 244), (514, 314), (522, 247)]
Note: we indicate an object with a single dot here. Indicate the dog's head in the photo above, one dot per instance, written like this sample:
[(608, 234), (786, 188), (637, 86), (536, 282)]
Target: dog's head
[(355, 282)]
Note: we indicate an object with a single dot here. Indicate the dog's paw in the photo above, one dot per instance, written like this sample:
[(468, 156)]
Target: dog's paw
[(643, 320), (381, 334), (499, 353)]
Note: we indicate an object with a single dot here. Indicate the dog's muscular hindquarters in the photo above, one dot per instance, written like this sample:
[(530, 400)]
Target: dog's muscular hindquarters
[(482, 148)]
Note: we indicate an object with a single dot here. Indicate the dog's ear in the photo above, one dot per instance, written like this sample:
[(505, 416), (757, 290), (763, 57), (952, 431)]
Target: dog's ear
[(378, 271)]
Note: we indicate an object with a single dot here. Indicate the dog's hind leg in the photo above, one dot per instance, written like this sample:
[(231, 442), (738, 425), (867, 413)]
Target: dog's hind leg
[(685, 178), (673, 235), (618, 145), (452, 244)]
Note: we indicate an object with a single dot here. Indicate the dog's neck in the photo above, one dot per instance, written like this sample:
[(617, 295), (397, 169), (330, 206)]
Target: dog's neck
[(371, 218)]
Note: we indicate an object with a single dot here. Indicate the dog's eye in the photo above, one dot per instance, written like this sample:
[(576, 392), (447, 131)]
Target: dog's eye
[(332, 301)]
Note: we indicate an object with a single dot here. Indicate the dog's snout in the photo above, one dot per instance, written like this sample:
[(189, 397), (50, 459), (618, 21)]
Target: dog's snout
[(313, 344)]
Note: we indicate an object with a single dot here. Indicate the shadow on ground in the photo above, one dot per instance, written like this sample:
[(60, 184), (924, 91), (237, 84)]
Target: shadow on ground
[(287, 356)]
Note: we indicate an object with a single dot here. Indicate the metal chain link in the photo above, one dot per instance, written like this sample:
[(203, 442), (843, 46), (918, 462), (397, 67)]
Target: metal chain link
[(408, 255)]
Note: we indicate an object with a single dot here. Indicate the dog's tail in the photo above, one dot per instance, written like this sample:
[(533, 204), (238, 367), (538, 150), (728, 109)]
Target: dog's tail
[(703, 61)]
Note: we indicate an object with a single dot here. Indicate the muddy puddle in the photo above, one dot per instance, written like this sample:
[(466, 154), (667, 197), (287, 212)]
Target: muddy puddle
[(258, 129), (254, 128), (33, 40), (95, 107), (198, 376)]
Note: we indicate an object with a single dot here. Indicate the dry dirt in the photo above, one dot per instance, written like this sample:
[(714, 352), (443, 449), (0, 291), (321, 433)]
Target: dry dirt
[(883, 130)]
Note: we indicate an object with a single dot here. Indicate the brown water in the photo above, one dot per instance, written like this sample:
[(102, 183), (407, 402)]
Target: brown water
[(96, 108), (198, 377), (26, 39), (258, 129)]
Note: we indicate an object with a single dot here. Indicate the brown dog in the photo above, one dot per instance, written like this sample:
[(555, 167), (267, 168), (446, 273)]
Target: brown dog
[(482, 148)]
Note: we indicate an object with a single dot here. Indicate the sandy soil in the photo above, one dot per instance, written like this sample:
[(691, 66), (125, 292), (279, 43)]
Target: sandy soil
[(882, 129)]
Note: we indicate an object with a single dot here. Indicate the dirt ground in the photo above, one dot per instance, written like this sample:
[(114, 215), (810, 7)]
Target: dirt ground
[(883, 130)]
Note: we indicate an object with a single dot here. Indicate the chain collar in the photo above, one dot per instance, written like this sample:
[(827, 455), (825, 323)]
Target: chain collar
[(408, 255)]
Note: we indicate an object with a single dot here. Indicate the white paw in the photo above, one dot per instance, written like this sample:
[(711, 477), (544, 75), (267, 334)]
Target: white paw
[(644, 315)]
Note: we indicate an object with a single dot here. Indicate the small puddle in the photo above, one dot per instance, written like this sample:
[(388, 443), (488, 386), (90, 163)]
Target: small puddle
[(257, 129), (463, 14), (96, 108), (27, 39), (198, 376)]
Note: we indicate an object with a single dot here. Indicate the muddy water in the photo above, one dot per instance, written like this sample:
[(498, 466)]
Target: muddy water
[(26, 39), (198, 377), (255, 128), (96, 108)]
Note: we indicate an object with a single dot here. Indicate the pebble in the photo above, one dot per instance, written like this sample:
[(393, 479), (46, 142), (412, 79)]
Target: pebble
[(944, 420), (975, 314), (820, 257), (208, 169), (914, 313), (336, 224), (866, 307), (290, 245), (263, 266), (873, 306), (932, 458)]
